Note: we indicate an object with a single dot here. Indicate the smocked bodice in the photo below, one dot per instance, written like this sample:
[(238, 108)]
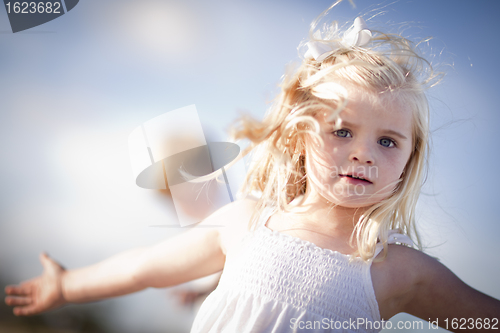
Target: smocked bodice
[(276, 282)]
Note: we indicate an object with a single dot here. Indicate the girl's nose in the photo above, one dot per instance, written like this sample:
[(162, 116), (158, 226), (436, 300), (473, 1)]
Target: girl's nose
[(362, 153)]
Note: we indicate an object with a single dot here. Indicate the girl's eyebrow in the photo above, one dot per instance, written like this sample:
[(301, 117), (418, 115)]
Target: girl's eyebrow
[(387, 131), (401, 136)]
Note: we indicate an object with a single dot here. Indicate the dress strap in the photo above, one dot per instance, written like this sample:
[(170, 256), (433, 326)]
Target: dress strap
[(394, 237)]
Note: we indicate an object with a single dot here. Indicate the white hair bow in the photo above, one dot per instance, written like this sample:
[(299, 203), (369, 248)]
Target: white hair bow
[(357, 35)]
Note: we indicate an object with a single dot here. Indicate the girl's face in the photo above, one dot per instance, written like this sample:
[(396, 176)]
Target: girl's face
[(361, 161)]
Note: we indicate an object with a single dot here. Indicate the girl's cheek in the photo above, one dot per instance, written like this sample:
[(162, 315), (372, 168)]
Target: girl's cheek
[(396, 163)]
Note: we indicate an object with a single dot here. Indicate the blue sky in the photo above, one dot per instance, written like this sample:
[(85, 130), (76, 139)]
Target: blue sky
[(73, 89)]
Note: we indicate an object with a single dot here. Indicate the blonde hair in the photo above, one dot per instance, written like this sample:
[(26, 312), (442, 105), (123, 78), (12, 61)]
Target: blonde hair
[(390, 63)]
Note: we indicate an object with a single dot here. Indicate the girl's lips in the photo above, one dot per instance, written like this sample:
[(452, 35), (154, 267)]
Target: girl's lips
[(355, 181)]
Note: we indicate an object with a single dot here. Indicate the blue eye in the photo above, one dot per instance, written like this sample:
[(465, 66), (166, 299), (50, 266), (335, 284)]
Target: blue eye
[(342, 133), (388, 143)]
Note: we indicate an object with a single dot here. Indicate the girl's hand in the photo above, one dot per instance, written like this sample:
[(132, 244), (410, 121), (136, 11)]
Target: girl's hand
[(39, 294)]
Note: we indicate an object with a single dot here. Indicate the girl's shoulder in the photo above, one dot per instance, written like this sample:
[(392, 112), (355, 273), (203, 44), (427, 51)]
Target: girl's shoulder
[(232, 221), (400, 276)]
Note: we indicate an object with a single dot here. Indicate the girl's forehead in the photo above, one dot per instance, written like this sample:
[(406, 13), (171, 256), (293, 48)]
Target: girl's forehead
[(359, 98), (363, 107), (392, 102), (354, 97), (387, 98)]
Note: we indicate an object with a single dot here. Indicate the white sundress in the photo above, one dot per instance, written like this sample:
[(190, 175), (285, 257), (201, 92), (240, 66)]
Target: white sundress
[(281, 283)]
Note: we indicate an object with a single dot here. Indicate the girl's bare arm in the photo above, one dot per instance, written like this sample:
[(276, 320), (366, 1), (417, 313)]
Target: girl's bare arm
[(193, 254), (420, 285), (440, 295), (190, 255), (197, 253), (185, 257)]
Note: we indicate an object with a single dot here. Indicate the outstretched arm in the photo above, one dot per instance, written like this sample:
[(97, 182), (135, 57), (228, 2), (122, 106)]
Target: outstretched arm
[(193, 254), (440, 295), (413, 282)]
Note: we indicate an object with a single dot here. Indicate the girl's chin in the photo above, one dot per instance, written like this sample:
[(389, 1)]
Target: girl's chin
[(348, 196), (352, 201), (353, 204)]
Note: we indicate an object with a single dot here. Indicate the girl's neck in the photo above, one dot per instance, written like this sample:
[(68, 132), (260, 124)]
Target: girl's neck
[(316, 210), (320, 222)]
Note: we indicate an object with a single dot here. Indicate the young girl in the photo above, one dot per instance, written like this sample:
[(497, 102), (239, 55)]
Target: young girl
[(338, 165)]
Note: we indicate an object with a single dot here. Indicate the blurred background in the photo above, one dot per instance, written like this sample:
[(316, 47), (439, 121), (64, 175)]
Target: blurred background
[(73, 89)]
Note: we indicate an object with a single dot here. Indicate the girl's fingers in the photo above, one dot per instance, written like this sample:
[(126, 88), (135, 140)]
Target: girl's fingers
[(9, 300), (18, 290), (25, 310)]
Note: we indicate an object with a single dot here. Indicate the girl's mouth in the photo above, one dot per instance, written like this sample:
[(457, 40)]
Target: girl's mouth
[(356, 179)]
